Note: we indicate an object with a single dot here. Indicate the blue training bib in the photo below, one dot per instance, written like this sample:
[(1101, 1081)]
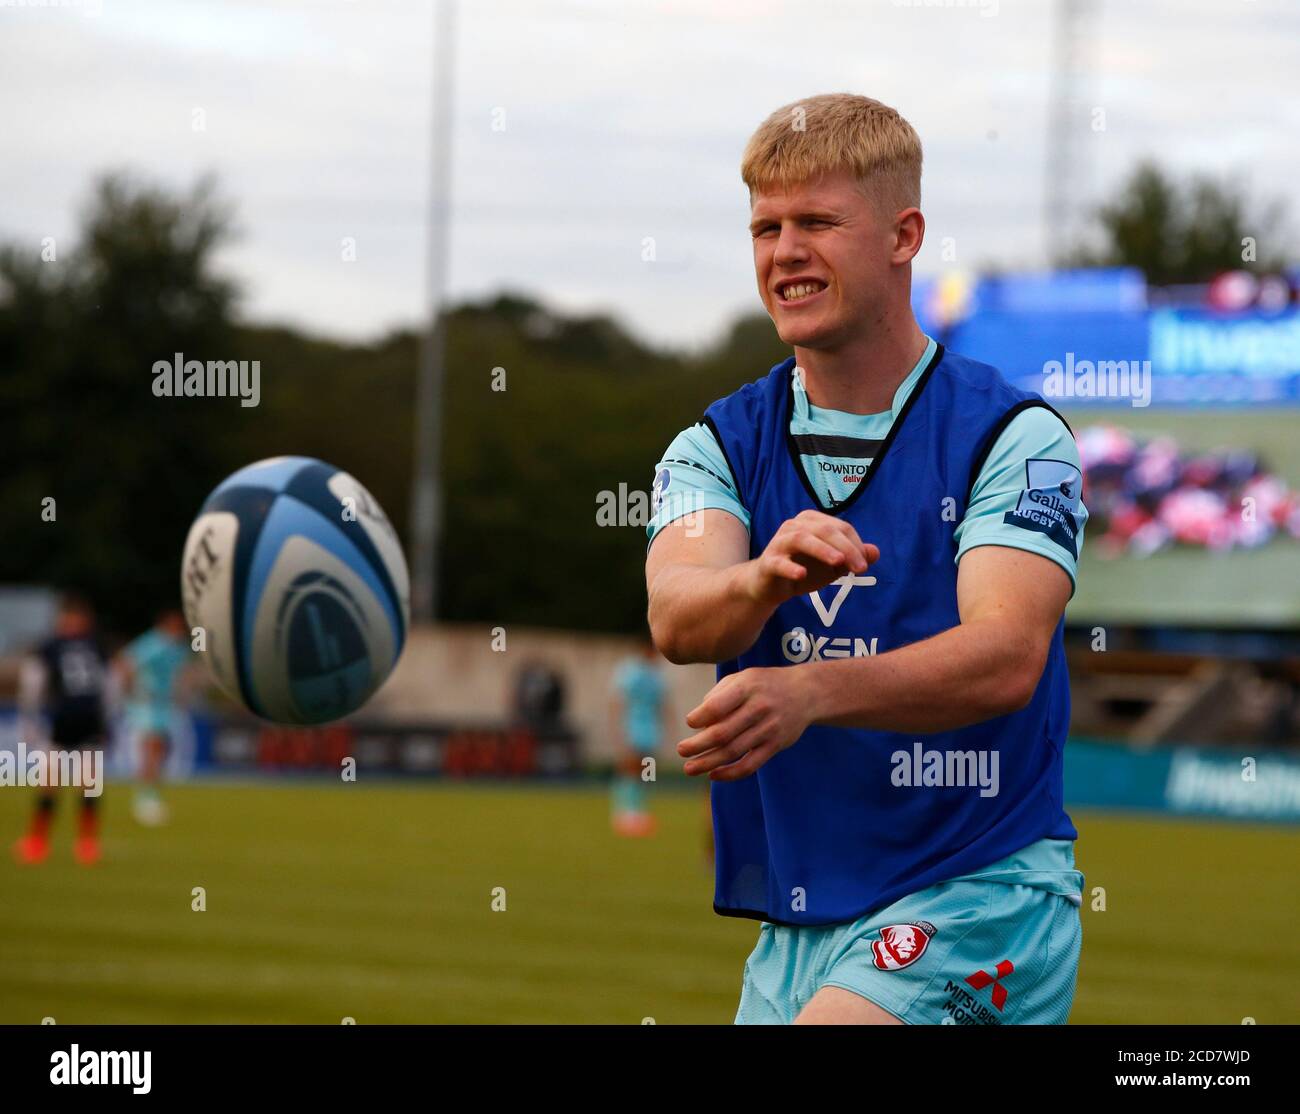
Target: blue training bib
[(849, 820)]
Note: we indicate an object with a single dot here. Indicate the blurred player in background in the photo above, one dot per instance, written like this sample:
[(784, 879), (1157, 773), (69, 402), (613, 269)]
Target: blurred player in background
[(63, 705), (640, 713), (151, 672)]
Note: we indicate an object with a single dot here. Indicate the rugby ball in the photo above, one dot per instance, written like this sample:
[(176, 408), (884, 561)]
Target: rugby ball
[(297, 582)]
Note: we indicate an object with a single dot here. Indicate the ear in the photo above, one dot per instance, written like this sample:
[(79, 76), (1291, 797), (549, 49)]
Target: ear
[(909, 234)]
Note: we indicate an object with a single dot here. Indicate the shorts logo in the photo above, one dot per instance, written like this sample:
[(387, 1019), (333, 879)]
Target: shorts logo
[(982, 978), (901, 945)]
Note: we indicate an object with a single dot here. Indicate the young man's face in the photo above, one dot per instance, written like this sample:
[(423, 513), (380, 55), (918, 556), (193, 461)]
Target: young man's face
[(829, 238)]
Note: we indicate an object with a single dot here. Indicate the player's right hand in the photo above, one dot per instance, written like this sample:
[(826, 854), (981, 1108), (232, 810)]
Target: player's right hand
[(808, 552)]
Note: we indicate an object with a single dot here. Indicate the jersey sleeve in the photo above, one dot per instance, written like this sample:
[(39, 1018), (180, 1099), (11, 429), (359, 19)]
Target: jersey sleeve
[(1029, 493), (138, 651), (692, 476)]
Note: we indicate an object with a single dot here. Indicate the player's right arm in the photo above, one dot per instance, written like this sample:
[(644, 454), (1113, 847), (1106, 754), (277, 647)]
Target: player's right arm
[(32, 687), (616, 721), (122, 673), (709, 601)]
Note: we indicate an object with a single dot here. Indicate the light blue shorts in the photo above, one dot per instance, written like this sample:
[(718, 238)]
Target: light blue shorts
[(149, 719), (999, 947)]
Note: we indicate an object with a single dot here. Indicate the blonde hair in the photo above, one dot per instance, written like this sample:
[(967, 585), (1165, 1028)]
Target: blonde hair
[(837, 131)]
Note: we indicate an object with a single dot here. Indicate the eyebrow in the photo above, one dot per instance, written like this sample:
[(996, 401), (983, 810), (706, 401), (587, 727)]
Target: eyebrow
[(814, 214)]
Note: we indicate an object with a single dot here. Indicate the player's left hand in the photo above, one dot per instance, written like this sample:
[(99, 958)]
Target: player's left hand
[(746, 719)]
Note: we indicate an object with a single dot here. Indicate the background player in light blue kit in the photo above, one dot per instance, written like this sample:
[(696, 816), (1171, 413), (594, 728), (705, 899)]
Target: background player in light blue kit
[(640, 712), (152, 670)]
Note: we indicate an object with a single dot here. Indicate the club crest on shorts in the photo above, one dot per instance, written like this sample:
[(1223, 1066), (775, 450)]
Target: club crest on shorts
[(901, 945)]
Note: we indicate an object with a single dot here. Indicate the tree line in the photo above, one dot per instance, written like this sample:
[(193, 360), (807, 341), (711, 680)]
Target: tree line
[(544, 414)]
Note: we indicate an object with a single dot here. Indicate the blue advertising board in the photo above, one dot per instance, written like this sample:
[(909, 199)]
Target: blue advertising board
[(1089, 339), (1191, 781)]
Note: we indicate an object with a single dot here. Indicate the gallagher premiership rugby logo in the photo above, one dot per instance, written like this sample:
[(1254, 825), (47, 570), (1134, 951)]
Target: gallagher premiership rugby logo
[(901, 945), (1049, 503)]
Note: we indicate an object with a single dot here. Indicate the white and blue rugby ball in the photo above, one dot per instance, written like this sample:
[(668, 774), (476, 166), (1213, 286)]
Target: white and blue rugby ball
[(298, 581)]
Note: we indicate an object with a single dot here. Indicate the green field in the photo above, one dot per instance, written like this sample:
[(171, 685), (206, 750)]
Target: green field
[(325, 902)]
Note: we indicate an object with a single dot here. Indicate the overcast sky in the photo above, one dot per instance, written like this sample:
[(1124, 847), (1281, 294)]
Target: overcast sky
[(581, 128)]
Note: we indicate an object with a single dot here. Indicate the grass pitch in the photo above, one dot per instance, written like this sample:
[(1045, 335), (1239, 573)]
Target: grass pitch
[(376, 903)]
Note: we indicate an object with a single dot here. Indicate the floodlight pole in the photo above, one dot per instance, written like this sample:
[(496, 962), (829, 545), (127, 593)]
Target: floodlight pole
[(1066, 121), (426, 486)]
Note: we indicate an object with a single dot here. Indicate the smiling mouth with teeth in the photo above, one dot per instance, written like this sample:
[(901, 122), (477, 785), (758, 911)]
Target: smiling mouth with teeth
[(800, 290)]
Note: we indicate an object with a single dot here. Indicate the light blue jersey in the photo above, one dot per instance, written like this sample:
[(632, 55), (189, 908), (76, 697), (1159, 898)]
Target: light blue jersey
[(836, 448), (156, 661), (643, 690)]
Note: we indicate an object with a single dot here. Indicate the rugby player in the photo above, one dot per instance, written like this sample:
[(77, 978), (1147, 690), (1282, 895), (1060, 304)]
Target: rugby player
[(151, 672), (640, 711), (875, 543), (62, 705)]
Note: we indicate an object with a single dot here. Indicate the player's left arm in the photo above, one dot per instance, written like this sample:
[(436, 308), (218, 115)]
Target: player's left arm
[(1013, 582), (1010, 602), (122, 673), (616, 714), (120, 681)]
